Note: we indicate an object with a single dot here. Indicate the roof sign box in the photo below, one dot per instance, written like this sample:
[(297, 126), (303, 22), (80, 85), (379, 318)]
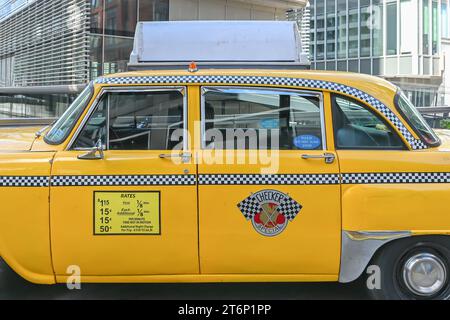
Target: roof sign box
[(217, 43)]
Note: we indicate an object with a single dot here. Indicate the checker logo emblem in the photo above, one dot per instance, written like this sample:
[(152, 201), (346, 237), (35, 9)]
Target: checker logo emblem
[(270, 211)]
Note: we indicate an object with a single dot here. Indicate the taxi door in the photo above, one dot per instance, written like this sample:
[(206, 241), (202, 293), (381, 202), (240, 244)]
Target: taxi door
[(122, 201), (269, 190)]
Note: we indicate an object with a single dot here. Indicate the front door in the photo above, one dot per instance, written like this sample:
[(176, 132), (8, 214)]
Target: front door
[(131, 210), (269, 192)]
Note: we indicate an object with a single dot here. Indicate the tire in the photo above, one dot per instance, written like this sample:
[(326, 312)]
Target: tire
[(405, 267)]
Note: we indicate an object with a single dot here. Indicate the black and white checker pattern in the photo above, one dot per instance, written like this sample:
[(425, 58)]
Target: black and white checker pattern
[(400, 177), (326, 179), (24, 181), (237, 179), (258, 179), (141, 180), (289, 208), (416, 144), (250, 207)]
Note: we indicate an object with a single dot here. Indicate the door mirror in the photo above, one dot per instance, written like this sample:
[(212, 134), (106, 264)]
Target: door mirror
[(96, 153)]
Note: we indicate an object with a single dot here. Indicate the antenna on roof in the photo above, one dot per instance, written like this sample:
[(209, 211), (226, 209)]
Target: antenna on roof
[(218, 44)]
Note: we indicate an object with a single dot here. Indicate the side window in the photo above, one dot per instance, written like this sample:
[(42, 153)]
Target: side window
[(356, 127), (95, 129), (136, 121), (239, 119)]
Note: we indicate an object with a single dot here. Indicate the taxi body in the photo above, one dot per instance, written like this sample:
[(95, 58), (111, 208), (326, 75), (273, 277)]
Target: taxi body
[(230, 176)]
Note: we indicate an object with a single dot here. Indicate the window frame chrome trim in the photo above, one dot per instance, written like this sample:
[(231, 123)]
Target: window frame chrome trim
[(376, 114), (120, 89), (414, 129), (221, 88), (89, 86)]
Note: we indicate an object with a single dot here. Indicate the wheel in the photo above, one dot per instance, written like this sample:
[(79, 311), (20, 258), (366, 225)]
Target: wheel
[(415, 268)]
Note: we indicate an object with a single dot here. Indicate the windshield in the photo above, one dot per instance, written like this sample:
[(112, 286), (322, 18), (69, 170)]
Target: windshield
[(416, 121), (65, 124)]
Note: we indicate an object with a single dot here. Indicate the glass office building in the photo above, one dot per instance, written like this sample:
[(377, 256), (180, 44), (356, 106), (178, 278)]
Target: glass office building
[(400, 40), (49, 50), (112, 26), (43, 42), (68, 42)]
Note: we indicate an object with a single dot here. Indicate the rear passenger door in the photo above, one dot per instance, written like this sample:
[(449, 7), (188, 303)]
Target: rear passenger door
[(132, 210), (269, 193)]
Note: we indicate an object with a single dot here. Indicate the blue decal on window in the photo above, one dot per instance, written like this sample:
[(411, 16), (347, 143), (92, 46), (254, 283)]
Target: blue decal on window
[(270, 123), (307, 142)]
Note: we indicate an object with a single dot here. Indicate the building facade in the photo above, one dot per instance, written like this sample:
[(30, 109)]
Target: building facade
[(69, 42), (112, 23), (43, 43), (49, 50), (400, 40)]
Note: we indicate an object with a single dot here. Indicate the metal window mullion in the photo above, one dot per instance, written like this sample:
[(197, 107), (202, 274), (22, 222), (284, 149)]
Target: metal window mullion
[(359, 35), (325, 49), (347, 54), (336, 40), (108, 121), (103, 38)]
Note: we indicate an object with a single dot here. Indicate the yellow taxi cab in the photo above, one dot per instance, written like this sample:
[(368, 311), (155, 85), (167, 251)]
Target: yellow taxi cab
[(231, 175)]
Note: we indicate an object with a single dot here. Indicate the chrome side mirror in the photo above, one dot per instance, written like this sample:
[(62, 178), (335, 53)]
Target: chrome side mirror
[(96, 153)]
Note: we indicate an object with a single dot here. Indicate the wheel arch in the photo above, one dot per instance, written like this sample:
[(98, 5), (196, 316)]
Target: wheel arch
[(26, 273), (360, 247)]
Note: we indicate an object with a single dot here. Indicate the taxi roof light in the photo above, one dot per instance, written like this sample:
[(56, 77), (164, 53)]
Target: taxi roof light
[(217, 43)]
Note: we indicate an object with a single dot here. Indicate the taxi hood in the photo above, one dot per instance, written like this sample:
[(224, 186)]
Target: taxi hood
[(444, 135), (17, 138)]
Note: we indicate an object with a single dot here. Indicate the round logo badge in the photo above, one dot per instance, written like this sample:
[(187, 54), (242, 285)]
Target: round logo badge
[(270, 211)]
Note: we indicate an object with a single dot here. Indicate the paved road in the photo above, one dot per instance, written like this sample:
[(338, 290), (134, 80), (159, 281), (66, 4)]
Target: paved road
[(14, 287)]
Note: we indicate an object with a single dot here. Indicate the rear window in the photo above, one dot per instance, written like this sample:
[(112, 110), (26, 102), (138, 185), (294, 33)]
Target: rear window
[(268, 119), (415, 120), (356, 127)]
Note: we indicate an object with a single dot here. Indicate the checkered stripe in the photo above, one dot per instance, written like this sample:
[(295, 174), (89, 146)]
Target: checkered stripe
[(289, 208), (256, 179), (416, 144), (312, 179), (249, 207), (153, 180), (24, 181), (401, 177)]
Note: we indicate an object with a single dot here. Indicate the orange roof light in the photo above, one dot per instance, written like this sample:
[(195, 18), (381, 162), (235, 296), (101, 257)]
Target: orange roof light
[(193, 67)]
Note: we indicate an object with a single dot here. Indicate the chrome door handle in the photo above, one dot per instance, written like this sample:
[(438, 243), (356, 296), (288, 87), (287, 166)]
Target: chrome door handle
[(185, 156), (329, 157), (175, 155)]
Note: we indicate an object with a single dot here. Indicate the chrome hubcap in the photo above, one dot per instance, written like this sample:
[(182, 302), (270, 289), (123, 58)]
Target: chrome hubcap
[(424, 274)]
